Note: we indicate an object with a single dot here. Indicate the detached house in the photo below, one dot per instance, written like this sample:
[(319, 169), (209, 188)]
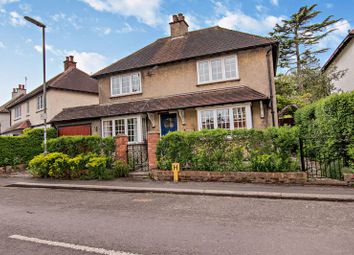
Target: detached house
[(70, 88), (192, 80)]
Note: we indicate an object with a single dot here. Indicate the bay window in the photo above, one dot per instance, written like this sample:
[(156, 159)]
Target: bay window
[(217, 69), (125, 84), (132, 126), (227, 117)]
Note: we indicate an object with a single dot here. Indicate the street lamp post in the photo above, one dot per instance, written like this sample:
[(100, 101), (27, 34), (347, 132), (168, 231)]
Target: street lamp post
[(42, 26)]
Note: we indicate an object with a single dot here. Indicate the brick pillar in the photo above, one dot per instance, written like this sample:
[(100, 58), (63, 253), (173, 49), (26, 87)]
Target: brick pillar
[(122, 148), (152, 140)]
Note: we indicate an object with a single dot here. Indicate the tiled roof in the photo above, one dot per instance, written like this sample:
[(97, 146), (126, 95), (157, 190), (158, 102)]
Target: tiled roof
[(197, 99), (339, 49), (194, 44), (72, 79), (3, 108), (18, 126)]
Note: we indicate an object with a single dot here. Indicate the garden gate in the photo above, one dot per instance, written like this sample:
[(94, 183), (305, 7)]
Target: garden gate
[(138, 157)]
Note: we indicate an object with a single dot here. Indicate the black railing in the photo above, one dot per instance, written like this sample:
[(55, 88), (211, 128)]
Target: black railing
[(138, 157)]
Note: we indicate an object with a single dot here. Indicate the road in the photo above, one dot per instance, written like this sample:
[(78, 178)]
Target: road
[(169, 224)]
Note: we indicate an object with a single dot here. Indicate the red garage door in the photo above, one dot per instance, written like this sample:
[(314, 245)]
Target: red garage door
[(75, 130)]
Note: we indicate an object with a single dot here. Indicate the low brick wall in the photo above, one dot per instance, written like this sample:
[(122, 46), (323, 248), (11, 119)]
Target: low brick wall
[(239, 177), (4, 170), (349, 179)]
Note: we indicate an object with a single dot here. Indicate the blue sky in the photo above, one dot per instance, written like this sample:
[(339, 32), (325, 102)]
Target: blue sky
[(99, 32)]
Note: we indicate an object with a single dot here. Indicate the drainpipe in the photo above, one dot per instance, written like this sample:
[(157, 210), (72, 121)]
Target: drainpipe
[(270, 85)]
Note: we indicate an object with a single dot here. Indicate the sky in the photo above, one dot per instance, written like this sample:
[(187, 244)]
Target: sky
[(100, 32)]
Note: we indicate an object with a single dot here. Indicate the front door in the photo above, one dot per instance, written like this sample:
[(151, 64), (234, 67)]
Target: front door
[(168, 123)]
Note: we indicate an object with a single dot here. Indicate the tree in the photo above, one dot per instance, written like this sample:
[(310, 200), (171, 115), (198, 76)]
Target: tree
[(299, 37)]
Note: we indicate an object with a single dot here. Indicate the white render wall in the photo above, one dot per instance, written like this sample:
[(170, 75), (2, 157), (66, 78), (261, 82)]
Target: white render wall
[(4, 121), (345, 60)]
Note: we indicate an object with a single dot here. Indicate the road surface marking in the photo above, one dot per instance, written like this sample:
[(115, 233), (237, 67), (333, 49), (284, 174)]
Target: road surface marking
[(70, 246)]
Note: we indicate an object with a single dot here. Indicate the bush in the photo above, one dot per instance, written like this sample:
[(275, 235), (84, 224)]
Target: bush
[(85, 166), (75, 145), (225, 150), (329, 124), (21, 149)]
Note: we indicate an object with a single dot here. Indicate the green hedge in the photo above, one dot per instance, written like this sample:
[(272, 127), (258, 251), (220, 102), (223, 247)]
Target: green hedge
[(75, 145), (85, 166), (328, 125), (224, 150), (21, 149)]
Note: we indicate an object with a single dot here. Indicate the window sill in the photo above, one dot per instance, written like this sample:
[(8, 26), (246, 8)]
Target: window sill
[(216, 82), (128, 94), (18, 118), (41, 110)]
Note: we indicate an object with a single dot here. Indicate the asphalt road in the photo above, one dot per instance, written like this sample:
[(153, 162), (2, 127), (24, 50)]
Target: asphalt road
[(169, 224)]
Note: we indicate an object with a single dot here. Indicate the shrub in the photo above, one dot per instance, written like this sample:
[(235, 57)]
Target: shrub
[(75, 145), (21, 149), (52, 164), (329, 125), (121, 169), (225, 150)]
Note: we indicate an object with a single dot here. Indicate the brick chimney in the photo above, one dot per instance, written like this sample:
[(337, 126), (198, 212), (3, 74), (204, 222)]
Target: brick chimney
[(69, 62), (179, 26), (18, 91)]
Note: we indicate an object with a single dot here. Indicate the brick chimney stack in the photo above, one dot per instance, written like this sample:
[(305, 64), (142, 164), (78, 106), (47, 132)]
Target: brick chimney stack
[(179, 26), (69, 62), (18, 91)]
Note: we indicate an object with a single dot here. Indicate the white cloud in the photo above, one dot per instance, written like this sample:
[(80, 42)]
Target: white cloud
[(16, 19), (274, 2), (260, 8), (192, 21), (88, 62), (146, 11), (3, 2), (335, 38), (329, 5), (26, 8), (2, 45), (103, 30), (238, 20)]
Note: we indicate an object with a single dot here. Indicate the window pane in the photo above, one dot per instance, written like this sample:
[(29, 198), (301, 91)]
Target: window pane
[(40, 103), (136, 83), (239, 117), (144, 127), (107, 128), (120, 127), (132, 130), (230, 67), (28, 107), (207, 119), (203, 69), (223, 118), (216, 70), (116, 85), (126, 84)]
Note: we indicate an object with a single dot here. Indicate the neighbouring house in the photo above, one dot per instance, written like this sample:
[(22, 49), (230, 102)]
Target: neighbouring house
[(191, 80), (70, 88), (4, 112), (342, 58)]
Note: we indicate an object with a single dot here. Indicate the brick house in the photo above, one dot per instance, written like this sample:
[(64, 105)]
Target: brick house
[(191, 80), (70, 88)]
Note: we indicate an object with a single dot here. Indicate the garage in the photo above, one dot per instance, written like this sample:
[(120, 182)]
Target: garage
[(84, 130)]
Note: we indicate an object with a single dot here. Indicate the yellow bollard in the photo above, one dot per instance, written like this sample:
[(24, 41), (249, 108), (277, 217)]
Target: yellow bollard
[(175, 170)]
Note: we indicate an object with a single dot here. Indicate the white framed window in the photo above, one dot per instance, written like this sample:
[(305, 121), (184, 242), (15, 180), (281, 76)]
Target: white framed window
[(28, 108), (228, 117), (132, 126), (217, 69), (126, 84), (40, 103), (17, 112)]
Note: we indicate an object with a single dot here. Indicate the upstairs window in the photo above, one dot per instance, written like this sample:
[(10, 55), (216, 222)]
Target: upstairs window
[(217, 69), (40, 103), (28, 108), (125, 84), (17, 112)]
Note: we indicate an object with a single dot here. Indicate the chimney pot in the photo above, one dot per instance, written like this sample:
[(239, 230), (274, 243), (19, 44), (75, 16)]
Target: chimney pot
[(178, 26), (69, 62)]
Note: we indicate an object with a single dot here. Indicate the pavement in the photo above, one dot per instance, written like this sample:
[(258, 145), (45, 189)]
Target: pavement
[(297, 192), (56, 221)]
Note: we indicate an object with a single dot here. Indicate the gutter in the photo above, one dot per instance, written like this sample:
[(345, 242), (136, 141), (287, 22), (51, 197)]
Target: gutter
[(270, 86)]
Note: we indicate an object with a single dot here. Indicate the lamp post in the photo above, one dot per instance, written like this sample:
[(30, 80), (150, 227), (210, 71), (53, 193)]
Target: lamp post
[(44, 116)]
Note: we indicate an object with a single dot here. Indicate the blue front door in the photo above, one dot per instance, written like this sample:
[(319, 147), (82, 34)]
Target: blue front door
[(168, 122)]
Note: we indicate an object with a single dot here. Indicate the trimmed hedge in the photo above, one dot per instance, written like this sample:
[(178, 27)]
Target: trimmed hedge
[(328, 125), (268, 150), (16, 150), (75, 145)]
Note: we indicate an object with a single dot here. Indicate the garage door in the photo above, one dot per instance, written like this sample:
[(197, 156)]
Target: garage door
[(75, 130)]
